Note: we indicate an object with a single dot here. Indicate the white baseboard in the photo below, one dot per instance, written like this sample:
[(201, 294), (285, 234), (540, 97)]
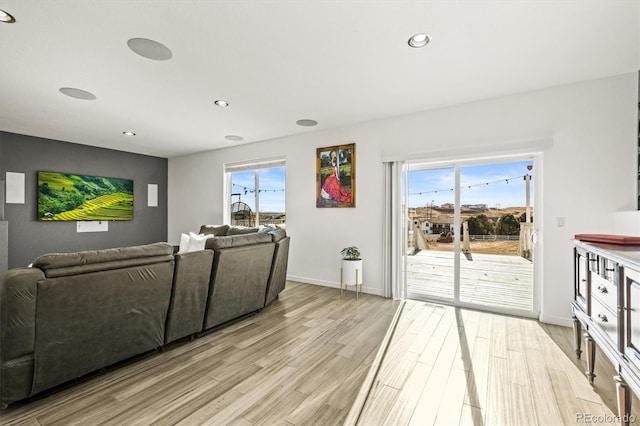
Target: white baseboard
[(562, 321), (305, 280)]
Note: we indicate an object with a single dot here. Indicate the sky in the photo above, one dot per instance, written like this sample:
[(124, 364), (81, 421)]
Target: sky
[(423, 185), (481, 184), (270, 179)]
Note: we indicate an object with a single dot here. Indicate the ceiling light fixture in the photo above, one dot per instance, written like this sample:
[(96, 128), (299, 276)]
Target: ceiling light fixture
[(6, 17), (305, 122), (234, 138), (419, 40), (128, 133), (150, 49), (221, 103), (77, 93)]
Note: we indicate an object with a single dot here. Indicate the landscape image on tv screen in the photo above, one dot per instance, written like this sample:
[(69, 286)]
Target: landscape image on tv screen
[(78, 197)]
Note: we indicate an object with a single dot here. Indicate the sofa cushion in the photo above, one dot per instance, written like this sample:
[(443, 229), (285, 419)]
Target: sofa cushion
[(217, 230), (217, 243), (50, 262), (239, 230), (277, 234), (67, 271)]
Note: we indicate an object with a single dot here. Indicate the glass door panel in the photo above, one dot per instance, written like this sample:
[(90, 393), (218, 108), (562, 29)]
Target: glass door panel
[(430, 242), (496, 268)]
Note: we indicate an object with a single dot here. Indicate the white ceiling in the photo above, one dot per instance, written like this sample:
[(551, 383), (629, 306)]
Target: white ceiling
[(338, 62)]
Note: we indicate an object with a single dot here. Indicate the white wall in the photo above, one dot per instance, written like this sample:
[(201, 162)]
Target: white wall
[(588, 174)]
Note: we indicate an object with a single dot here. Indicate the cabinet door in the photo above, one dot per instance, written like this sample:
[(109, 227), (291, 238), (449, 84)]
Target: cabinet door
[(582, 280), (632, 305)]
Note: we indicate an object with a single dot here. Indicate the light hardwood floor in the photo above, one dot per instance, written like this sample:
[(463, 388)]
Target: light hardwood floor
[(448, 366), (300, 361)]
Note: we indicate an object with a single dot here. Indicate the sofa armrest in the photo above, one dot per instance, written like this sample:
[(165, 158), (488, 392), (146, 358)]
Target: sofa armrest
[(18, 291)]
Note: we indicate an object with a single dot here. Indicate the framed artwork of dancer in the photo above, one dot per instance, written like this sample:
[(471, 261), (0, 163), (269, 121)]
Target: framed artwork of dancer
[(336, 176)]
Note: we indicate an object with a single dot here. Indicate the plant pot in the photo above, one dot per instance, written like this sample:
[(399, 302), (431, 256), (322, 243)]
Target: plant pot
[(351, 274), (352, 271)]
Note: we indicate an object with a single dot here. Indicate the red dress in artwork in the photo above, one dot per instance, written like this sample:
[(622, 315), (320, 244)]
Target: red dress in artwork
[(333, 188)]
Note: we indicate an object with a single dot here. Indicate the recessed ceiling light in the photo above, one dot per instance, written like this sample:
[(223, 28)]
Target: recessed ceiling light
[(128, 133), (221, 103), (77, 93), (150, 49), (305, 122), (234, 138), (6, 17), (419, 40)]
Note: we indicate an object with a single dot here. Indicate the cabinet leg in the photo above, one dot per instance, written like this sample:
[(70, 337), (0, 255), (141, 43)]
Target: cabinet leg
[(577, 336), (624, 400), (591, 357)]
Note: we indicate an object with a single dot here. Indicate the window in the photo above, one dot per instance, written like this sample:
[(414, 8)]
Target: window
[(256, 193)]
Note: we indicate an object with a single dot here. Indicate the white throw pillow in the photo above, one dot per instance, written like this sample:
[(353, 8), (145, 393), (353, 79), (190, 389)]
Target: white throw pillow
[(184, 243), (197, 241)]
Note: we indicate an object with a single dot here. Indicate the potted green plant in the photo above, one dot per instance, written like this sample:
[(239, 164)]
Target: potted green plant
[(351, 271), (350, 253)]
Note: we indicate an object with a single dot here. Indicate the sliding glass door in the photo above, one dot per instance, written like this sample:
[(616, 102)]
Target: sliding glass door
[(470, 239)]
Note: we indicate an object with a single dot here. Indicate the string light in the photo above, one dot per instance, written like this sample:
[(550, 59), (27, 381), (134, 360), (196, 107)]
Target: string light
[(469, 186), (252, 190)]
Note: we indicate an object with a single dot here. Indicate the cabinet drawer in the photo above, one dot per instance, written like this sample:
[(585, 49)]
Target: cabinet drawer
[(606, 291), (632, 304), (605, 319)]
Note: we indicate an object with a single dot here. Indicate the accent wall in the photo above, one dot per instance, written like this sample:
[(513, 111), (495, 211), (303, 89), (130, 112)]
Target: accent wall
[(30, 238)]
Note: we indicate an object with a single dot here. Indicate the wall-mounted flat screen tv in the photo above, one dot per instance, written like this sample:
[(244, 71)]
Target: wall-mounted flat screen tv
[(64, 196)]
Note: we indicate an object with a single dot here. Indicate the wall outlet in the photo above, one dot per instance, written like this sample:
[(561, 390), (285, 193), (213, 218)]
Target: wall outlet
[(560, 221)]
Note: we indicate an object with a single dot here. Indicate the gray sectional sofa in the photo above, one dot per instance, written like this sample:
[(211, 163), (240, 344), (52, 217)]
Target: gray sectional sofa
[(71, 314)]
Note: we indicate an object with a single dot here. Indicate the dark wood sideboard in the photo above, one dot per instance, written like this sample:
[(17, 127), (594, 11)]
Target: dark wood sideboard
[(606, 312)]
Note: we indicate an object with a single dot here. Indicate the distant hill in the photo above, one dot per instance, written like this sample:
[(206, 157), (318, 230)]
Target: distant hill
[(440, 215)]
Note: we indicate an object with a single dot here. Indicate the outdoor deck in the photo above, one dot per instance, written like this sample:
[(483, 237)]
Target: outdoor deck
[(486, 279)]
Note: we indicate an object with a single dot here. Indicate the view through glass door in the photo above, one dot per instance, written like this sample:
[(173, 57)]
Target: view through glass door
[(470, 235)]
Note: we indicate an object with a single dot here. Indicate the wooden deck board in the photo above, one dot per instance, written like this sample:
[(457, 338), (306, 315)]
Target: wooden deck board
[(485, 279)]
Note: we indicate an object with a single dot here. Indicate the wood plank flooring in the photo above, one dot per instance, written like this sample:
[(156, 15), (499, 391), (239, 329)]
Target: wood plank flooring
[(448, 366), (486, 279), (300, 361)]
